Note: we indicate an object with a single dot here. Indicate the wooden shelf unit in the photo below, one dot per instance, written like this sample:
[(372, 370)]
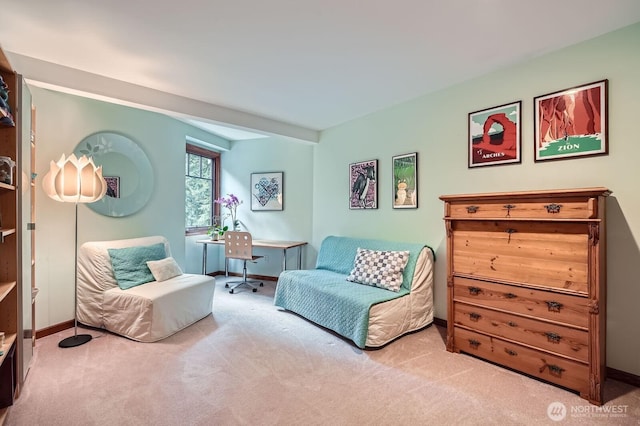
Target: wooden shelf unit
[(10, 286)]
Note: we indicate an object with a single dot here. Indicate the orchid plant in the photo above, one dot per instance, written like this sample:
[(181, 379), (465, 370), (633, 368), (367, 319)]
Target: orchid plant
[(230, 202)]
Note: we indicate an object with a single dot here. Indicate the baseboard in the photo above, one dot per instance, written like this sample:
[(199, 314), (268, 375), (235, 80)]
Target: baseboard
[(54, 329), (612, 373), (440, 322), (250, 276), (623, 376)]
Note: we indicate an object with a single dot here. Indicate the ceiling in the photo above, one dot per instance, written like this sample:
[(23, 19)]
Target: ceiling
[(289, 67)]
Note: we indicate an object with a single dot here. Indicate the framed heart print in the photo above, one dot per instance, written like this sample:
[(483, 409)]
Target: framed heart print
[(267, 191)]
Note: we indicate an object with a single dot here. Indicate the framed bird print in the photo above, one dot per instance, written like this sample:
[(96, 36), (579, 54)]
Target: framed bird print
[(113, 186), (363, 185)]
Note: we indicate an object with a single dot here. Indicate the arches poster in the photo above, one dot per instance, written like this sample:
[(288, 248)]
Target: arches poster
[(495, 135)]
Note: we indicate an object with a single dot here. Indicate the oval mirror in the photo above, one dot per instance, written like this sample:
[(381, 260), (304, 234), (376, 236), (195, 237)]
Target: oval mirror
[(126, 169)]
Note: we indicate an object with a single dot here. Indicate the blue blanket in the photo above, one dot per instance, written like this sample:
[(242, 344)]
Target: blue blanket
[(324, 296)]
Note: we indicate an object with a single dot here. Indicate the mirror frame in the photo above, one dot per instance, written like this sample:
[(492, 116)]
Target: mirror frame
[(101, 144)]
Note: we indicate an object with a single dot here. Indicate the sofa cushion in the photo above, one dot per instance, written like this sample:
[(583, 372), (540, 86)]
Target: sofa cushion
[(337, 254), (164, 269), (379, 268), (130, 264), (325, 298), (151, 312)]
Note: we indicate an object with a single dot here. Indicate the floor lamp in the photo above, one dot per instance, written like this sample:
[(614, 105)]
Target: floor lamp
[(75, 180)]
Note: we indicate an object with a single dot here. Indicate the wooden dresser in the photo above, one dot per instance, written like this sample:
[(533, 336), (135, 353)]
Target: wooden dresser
[(526, 283)]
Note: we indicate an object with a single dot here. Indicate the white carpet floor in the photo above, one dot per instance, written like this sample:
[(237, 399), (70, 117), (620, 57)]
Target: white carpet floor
[(251, 363)]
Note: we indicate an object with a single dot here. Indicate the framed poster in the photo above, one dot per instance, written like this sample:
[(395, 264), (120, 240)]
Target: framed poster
[(495, 135), (571, 123), (405, 181), (363, 185), (267, 191), (113, 186)]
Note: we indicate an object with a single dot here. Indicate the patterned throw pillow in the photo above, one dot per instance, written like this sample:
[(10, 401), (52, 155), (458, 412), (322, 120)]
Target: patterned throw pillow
[(164, 269), (379, 268), (130, 264)]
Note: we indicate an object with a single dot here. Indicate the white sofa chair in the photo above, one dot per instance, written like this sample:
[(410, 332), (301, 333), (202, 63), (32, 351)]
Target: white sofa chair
[(147, 312)]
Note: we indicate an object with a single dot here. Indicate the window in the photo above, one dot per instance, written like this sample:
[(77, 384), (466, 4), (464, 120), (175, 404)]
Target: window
[(202, 187)]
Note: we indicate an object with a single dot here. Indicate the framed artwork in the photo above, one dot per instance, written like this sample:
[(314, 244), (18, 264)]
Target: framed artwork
[(113, 186), (571, 123), (363, 185), (267, 191), (405, 181), (495, 136)]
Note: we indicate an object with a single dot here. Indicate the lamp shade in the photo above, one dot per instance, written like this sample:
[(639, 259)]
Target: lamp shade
[(74, 180)]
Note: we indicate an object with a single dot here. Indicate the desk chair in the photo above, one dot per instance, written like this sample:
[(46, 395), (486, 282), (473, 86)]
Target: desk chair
[(239, 245)]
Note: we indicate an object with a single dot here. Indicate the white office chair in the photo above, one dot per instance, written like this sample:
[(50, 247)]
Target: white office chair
[(239, 245)]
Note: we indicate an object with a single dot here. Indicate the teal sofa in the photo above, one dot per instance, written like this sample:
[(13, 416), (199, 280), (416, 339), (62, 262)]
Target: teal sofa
[(369, 316)]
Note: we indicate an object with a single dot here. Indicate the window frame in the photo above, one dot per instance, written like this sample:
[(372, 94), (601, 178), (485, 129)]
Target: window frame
[(216, 159)]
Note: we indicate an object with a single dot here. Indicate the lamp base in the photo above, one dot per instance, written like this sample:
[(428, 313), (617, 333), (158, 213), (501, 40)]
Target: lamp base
[(73, 341)]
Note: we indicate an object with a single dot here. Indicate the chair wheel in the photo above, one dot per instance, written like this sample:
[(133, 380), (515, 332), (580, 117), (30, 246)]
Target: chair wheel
[(255, 289), (231, 291), (261, 285), (226, 286)]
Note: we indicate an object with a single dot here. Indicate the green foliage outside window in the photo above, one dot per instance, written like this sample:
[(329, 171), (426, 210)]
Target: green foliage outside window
[(199, 191)]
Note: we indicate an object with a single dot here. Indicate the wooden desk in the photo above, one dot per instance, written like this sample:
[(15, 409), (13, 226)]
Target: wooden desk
[(270, 244)]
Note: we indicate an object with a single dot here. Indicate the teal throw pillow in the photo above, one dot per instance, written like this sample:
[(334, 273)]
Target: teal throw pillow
[(130, 264)]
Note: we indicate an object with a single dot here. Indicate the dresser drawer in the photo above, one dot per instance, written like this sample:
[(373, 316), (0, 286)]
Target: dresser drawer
[(546, 254), (534, 208), (551, 337), (561, 308), (558, 370)]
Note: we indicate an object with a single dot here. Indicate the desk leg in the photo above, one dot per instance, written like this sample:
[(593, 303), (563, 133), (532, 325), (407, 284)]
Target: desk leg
[(204, 259), (284, 259), (299, 257)]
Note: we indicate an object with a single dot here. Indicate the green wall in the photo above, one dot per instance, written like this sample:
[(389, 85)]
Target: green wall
[(293, 223), (316, 176), (435, 126), (62, 121)]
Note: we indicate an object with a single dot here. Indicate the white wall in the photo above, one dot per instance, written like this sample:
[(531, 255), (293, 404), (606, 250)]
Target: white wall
[(436, 127)]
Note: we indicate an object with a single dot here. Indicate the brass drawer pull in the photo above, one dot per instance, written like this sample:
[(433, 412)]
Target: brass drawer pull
[(510, 295), (511, 352), (472, 209), (474, 343), (509, 207), (554, 370), (553, 337), (474, 291), (553, 208), (474, 316), (510, 231), (553, 306)]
